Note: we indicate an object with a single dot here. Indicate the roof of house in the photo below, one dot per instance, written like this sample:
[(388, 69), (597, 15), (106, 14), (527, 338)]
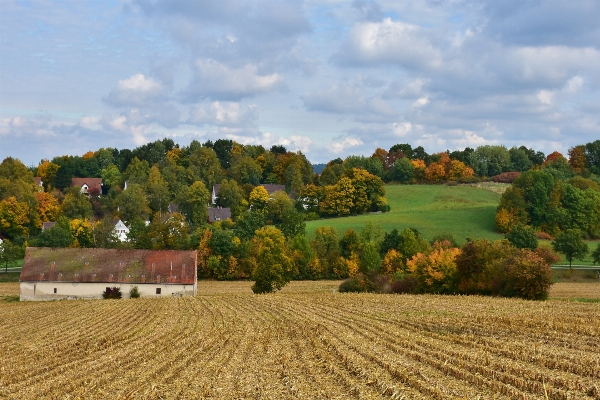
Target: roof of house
[(271, 188), (38, 180), (173, 208), (47, 225), (92, 183), (45, 264), (218, 214)]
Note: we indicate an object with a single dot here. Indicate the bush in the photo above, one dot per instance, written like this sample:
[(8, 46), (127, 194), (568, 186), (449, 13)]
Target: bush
[(112, 293), (406, 284), (359, 283), (525, 275), (506, 177), (543, 236), (522, 237), (134, 292)]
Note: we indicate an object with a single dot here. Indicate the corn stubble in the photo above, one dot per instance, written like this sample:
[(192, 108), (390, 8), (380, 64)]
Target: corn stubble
[(300, 345)]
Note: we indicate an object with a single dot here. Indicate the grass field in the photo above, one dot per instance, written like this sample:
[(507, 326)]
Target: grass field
[(463, 211), (305, 342)]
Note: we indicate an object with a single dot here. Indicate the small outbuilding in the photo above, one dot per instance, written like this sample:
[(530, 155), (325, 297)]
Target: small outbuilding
[(67, 273)]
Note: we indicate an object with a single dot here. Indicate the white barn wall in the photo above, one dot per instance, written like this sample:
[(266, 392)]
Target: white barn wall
[(39, 291)]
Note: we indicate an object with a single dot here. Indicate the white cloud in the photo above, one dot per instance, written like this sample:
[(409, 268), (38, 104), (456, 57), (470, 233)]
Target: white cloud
[(217, 81), (391, 42), (137, 91), (339, 145), (401, 129), (224, 114)]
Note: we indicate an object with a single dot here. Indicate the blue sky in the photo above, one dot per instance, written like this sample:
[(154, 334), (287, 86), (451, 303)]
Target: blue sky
[(329, 78)]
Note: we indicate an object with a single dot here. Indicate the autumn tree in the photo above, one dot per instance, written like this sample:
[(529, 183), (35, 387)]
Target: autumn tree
[(244, 169), (169, 232), (259, 199), (273, 267), (47, 171), (435, 270), (337, 199), (14, 217)]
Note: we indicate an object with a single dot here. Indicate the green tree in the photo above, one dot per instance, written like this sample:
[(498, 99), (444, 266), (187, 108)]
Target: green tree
[(571, 244), (169, 232), (76, 205), (292, 223), (137, 172), (205, 166), (194, 204), (111, 176), (403, 170), (133, 204), (303, 256), (59, 235), (245, 170), (349, 243), (370, 261), (273, 267), (230, 195), (247, 223), (9, 253), (157, 191), (522, 237)]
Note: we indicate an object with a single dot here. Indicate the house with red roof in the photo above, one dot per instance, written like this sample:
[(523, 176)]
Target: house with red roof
[(78, 273), (89, 186)]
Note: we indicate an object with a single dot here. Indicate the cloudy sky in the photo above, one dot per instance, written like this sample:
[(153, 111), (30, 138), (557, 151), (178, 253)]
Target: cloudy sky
[(329, 78)]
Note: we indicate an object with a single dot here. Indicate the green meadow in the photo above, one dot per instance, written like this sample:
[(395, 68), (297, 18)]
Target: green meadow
[(462, 211)]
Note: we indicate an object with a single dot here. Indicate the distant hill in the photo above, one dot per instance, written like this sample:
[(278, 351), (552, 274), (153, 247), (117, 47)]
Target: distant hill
[(318, 168)]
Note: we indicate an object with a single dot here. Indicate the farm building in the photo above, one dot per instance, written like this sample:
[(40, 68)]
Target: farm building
[(65, 273)]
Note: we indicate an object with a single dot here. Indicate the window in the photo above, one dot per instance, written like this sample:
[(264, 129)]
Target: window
[(54, 290), (157, 290)]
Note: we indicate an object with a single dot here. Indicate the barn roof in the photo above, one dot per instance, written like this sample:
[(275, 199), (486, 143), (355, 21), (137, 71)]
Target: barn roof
[(45, 264)]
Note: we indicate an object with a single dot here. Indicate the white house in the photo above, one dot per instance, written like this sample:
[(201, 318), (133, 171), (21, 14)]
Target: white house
[(75, 273), (121, 230)]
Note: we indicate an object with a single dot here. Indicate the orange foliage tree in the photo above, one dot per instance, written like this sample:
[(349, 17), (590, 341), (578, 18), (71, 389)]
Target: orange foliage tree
[(435, 270)]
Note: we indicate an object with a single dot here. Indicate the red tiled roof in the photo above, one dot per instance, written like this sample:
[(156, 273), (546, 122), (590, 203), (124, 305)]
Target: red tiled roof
[(92, 183), (272, 188), (38, 180), (109, 265)]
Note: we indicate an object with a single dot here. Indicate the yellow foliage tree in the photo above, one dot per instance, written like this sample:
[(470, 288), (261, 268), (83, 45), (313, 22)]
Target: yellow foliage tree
[(48, 208), (392, 262), (436, 270), (259, 199), (47, 171)]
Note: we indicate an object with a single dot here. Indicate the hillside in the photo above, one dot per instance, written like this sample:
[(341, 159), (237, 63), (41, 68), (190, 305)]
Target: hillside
[(463, 211)]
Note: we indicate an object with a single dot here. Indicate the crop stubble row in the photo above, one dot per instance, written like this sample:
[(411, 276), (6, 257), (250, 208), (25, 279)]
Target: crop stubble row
[(291, 345)]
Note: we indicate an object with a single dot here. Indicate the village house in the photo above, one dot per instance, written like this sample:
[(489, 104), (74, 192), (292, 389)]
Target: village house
[(121, 230), (216, 214), (88, 186), (76, 273), (47, 225), (38, 181)]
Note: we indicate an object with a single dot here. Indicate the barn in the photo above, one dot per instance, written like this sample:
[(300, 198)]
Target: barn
[(66, 273)]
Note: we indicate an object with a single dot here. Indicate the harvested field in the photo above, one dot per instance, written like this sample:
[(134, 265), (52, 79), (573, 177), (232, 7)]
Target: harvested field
[(576, 290), (306, 342)]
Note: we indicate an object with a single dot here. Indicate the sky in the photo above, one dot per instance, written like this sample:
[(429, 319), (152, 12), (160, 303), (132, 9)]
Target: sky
[(329, 78)]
